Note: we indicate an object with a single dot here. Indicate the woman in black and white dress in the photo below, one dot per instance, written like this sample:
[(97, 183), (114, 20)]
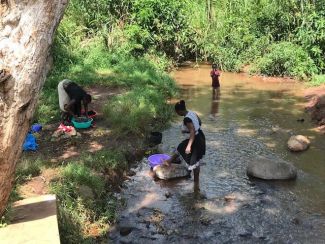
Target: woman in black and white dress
[(191, 150)]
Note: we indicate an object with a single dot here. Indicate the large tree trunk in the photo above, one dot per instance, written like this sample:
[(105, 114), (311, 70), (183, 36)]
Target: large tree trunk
[(26, 34)]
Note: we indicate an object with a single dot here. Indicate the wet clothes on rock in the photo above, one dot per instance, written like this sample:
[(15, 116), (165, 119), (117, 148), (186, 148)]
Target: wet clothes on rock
[(198, 147)]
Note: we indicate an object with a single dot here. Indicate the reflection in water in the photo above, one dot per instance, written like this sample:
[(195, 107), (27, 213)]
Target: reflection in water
[(215, 103)]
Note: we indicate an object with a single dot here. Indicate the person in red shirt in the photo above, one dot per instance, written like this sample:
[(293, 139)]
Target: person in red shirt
[(215, 74)]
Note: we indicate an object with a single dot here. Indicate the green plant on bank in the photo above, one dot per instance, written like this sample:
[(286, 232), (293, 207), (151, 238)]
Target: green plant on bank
[(104, 161), (285, 59), (138, 111), (5, 219), (86, 206), (27, 168), (317, 80)]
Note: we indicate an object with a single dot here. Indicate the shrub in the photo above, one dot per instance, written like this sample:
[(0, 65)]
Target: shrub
[(134, 111), (27, 169), (286, 59), (80, 174), (105, 160), (317, 80)]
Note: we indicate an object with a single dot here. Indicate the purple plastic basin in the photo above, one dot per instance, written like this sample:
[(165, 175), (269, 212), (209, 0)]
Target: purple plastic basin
[(157, 159)]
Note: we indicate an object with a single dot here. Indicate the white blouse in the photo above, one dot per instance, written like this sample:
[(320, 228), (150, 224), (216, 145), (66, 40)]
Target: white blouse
[(195, 120)]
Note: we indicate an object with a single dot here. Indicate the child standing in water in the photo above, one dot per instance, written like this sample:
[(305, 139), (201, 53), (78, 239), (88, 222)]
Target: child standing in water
[(215, 74), (192, 149)]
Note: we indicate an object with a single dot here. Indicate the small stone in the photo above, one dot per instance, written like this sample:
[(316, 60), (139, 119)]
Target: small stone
[(131, 173), (125, 230), (168, 194), (296, 221), (298, 143), (245, 234)]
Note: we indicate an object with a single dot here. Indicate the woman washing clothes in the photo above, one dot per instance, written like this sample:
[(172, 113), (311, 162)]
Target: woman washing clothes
[(192, 149)]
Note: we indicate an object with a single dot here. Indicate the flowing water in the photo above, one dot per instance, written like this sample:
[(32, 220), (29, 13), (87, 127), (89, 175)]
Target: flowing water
[(249, 118)]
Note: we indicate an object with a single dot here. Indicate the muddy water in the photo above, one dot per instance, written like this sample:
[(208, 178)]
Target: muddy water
[(250, 117)]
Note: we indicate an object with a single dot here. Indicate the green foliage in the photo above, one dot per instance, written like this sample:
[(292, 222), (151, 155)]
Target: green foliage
[(159, 23), (135, 111), (80, 174), (6, 218), (27, 169), (286, 59), (311, 35), (85, 204), (105, 161), (317, 80)]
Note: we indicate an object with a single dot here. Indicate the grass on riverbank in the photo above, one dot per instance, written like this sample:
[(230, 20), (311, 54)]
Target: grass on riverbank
[(84, 189), (85, 185), (317, 80)]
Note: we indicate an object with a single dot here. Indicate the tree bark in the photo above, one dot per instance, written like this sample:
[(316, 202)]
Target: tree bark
[(26, 34)]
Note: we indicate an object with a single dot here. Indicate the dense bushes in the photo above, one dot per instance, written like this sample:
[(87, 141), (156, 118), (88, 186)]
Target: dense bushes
[(286, 59), (231, 33)]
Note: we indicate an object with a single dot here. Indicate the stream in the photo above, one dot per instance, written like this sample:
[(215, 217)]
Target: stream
[(252, 116)]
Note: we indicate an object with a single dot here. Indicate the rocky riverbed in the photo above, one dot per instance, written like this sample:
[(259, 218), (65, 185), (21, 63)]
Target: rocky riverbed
[(251, 119), (231, 209)]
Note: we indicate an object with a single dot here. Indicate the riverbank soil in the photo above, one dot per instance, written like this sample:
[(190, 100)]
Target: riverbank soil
[(316, 106)]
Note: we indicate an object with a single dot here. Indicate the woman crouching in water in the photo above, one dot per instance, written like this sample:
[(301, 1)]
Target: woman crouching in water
[(192, 149)]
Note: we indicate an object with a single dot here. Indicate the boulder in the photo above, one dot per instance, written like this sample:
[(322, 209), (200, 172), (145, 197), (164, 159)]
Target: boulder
[(267, 169), (316, 106), (298, 143), (165, 172)]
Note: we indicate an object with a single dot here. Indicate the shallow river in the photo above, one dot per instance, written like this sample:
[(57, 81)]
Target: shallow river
[(251, 117)]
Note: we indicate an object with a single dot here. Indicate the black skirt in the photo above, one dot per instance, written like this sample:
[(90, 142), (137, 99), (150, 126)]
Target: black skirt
[(197, 149)]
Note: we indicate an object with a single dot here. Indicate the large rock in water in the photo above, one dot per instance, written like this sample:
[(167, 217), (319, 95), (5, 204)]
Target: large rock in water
[(165, 172), (267, 169), (298, 143)]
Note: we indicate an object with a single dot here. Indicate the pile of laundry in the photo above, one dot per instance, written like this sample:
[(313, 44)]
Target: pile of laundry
[(64, 132)]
